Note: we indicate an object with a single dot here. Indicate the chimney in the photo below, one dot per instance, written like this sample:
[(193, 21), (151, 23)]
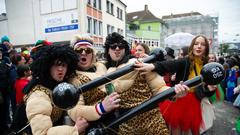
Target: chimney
[(146, 8), (4, 14)]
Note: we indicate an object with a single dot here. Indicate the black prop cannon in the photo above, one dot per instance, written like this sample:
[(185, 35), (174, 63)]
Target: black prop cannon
[(211, 74), (66, 96)]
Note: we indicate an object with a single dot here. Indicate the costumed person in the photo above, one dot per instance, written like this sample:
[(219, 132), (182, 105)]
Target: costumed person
[(54, 64), (39, 44), (23, 78), (170, 53), (19, 118), (133, 49), (134, 89), (183, 52), (142, 50), (6, 45), (231, 81), (169, 78), (5, 83), (18, 59), (219, 93), (236, 90), (10, 100), (232, 78), (185, 114), (88, 69), (26, 54)]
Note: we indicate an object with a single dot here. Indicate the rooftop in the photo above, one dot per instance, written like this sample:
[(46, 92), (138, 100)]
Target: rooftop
[(181, 15), (143, 16)]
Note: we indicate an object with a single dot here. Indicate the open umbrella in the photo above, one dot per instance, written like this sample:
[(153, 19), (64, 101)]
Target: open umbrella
[(179, 39)]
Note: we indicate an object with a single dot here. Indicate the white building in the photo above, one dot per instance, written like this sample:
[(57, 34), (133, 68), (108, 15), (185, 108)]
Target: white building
[(194, 23), (58, 20)]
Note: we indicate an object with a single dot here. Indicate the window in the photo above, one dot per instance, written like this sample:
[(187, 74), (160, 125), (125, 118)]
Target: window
[(112, 9), (57, 5), (45, 6), (49, 6), (70, 4), (100, 28), (121, 11), (95, 3), (120, 31), (89, 2), (149, 28), (108, 6), (89, 25), (100, 4), (108, 29), (94, 26), (112, 29), (118, 12)]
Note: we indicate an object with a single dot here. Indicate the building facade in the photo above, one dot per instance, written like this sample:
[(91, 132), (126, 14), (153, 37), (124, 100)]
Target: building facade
[(194, 23), (143, 26), (59, 20)]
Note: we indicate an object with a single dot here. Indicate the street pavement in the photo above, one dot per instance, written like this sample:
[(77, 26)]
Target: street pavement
[(225, 122)]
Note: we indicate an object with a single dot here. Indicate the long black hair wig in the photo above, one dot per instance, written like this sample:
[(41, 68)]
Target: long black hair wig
[(46, 57)]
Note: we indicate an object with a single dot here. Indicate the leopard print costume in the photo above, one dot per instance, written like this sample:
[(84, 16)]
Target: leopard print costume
[(150, 122), (92, 96)]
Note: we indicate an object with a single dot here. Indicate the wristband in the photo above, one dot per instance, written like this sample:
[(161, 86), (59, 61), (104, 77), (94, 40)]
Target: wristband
[(97, 107), (102, 108)]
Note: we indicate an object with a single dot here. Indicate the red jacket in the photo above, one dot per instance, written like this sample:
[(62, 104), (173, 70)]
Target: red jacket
[(19, 85)]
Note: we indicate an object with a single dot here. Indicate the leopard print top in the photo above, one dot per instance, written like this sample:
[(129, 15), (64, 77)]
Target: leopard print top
[(136, 94), (56, 112), (92, 96), (150, 122)]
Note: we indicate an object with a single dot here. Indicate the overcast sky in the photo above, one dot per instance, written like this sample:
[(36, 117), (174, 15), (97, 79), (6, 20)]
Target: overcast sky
[(2, 6), (228, 11)]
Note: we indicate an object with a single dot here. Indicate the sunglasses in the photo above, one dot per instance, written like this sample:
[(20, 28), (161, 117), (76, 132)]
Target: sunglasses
[(114, 46), (86, 50)]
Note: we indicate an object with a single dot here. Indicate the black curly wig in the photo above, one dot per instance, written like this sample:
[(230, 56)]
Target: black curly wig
[(47, 55), (115, 38)]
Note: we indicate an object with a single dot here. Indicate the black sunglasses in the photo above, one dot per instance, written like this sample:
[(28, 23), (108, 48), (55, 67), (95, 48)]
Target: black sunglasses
[(86, 50), (114, 46)]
